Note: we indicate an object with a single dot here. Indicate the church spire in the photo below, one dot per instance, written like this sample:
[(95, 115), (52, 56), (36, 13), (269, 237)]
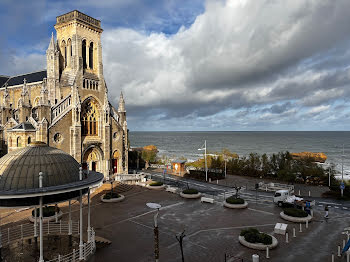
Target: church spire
[(121, 107), (52, 43)]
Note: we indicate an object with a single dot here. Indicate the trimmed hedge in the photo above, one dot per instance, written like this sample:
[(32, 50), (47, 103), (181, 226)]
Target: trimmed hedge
[(48, 211), (252, 235), (156, 184), (234, 201), (294, 212), (190, 191), (110, 195)]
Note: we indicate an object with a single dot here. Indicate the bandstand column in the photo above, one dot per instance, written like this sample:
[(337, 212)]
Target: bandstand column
[(70, 218), (0, 242), (41, 257), (89, 226), (35, 225), (81, 244), (70, 223)]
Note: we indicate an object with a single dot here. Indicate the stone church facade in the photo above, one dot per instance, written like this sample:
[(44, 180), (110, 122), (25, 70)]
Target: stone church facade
[(66, 105)]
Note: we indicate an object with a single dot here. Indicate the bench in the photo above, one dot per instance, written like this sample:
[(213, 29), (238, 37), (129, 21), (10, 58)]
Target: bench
[(207, 199), (171, 189)]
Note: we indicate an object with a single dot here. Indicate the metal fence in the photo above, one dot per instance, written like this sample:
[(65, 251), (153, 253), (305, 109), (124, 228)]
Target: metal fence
[(88, 249), (28, 230)]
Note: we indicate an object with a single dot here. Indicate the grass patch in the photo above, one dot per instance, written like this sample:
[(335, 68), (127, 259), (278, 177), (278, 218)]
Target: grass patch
[(156, 184), (190, 191), (252, 235), (110, 195), (234, 201), (294, 212), (48, 211)]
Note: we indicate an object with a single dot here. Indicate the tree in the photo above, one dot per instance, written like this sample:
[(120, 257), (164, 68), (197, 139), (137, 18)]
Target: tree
[(149, 154)]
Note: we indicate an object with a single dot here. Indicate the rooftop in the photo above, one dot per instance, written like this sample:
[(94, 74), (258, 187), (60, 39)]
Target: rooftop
[(75, 15), (19, 79)]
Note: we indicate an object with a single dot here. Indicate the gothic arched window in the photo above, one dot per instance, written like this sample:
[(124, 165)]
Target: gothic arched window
[(84, 53), (29, 140), (89, 119), (91, 55), (64, 50)]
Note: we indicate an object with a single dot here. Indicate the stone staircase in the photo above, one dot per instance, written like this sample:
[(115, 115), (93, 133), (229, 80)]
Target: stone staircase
[(117, 187)]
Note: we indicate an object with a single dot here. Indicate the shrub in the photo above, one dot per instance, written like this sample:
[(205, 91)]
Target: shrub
[(252, 235), (265, 239), (294, 212), (156, 184), (234, 201), (190, 191), (110, 195), (249, 230), (48, 211)]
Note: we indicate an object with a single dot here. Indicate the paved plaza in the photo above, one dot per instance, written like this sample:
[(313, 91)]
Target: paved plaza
[(211, 230)]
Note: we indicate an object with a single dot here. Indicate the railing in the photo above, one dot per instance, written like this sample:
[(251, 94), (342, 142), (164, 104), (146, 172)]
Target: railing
[(129, 177), (61, 109), (87, 250), (275, 186), (21, 232)]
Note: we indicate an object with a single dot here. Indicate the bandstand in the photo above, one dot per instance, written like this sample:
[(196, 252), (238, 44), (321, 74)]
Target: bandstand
[(39, 175)]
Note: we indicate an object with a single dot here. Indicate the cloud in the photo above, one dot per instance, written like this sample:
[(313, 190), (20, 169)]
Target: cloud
[(226, 65), (237, 54)]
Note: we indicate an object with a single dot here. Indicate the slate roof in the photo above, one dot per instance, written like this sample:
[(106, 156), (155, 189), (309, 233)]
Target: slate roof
[(3, 79), (25, 126), (18, 80)]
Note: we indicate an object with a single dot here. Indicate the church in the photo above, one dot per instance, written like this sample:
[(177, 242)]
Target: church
[(66, 105)]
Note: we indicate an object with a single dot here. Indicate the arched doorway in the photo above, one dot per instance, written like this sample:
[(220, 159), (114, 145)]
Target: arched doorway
[(115, 159), (92, 159)]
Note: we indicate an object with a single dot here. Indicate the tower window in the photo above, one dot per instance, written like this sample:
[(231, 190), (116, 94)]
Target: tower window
[(91, 55), (84, 54)]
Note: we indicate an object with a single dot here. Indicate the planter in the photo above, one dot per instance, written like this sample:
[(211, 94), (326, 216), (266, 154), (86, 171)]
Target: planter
[(295, 219), (46, 219), (191, 196), (236, 206), (113, 200), (156, 187), (258, 246)]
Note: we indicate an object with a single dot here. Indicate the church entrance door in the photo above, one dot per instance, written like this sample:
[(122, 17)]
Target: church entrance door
[(92, 160), (115, 165)]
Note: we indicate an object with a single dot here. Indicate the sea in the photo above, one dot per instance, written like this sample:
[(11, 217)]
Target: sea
[(186, 144)]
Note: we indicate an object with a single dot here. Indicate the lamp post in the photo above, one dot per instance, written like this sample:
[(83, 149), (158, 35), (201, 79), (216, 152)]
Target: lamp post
[(156, 232), (205, 159), (342, 173)]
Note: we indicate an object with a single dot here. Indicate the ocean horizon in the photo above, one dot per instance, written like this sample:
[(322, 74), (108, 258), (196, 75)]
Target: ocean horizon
[(175, 144)]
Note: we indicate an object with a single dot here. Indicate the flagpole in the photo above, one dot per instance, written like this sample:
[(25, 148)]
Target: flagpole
[(205, 160)]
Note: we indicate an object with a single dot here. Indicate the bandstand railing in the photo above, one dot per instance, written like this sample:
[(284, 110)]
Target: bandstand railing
[(23, 231), (74, 256)]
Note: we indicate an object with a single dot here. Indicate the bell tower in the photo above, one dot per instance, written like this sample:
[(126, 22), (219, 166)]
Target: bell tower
[(79, 42)]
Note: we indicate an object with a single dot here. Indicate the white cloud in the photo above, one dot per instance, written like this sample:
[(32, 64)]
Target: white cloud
[(235, 53)]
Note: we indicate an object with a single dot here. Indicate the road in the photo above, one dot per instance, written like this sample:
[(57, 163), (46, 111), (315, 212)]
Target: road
[(220, 192)]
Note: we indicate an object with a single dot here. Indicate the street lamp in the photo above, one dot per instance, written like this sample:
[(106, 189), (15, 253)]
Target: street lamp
[(156, 233), (342, 173), (205, 159)]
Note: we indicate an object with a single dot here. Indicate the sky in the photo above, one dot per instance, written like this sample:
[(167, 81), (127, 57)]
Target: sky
[(205, 65)]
